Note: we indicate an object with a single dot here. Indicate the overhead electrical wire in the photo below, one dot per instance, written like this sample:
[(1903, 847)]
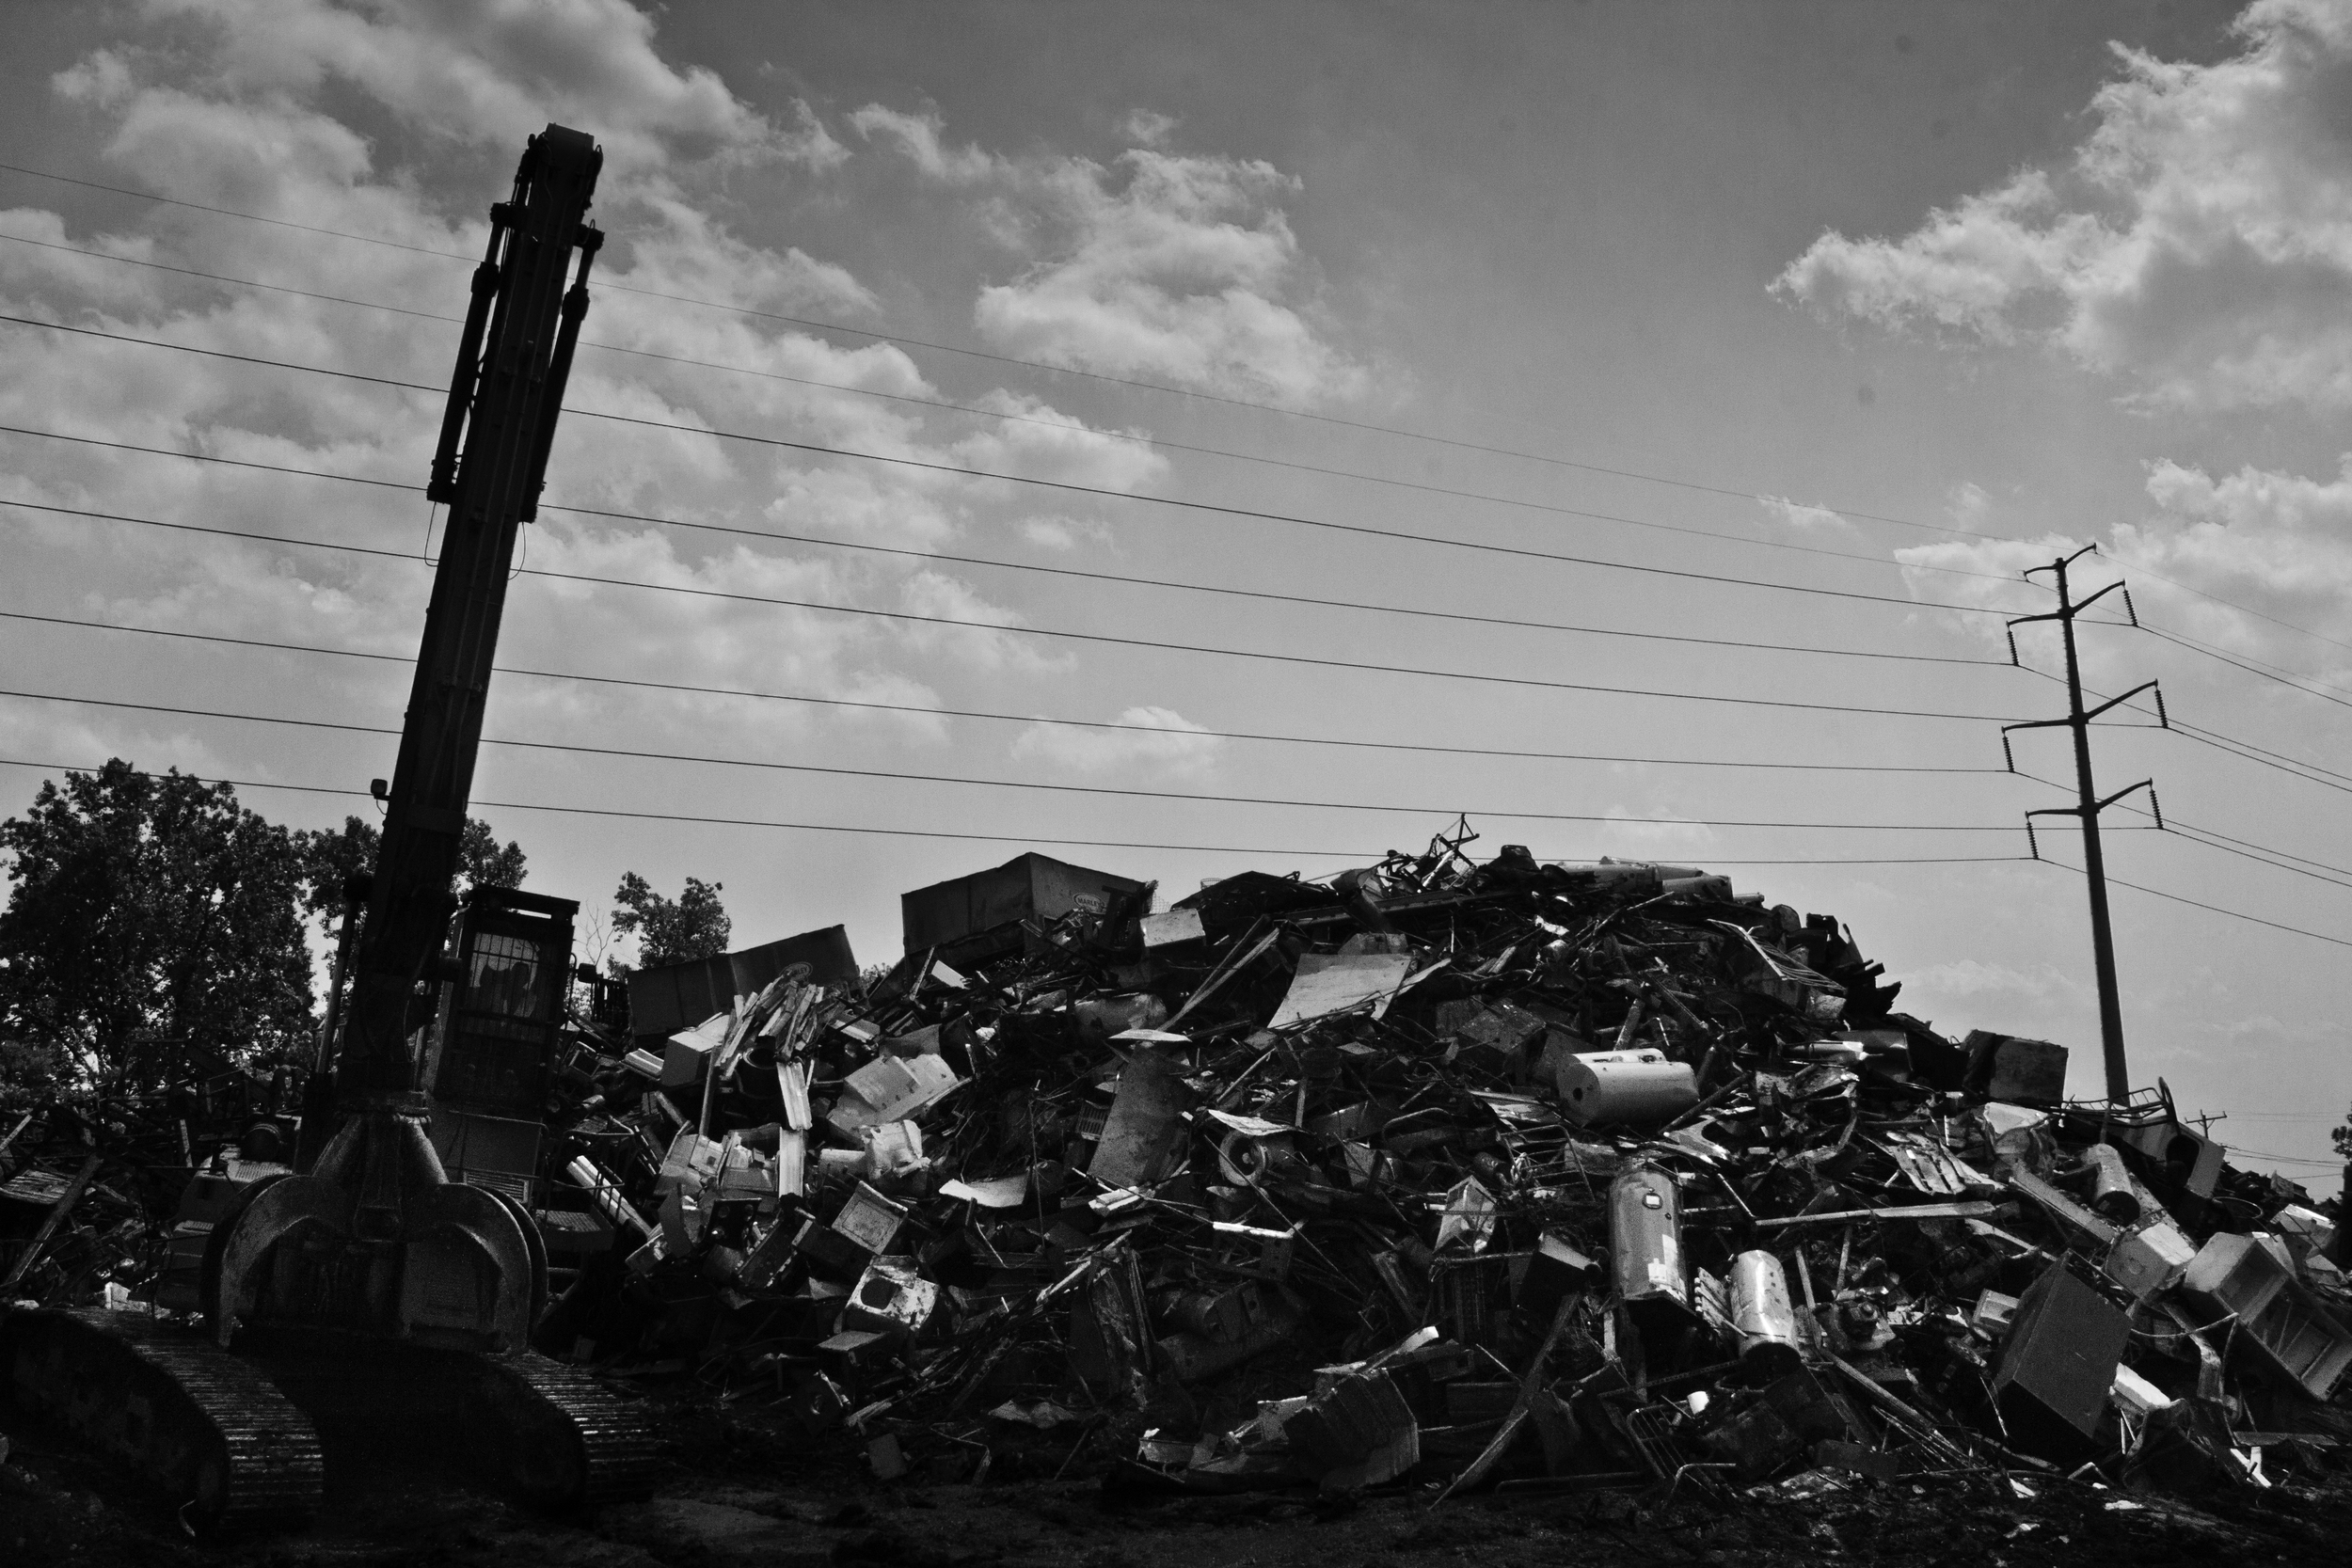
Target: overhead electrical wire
[(610, 812), (1051, 633), (1008, 416), (934, 833), (2318, 871), (917, 710), (1036, 568), (2288, 677), (1041, 569), (2197, 836), (2194, 903), (2311, 686), (1048, 368), (30, 322), (1200, 797), (1107, 492), (1065, 486), (2294, 766), (820, 542), (2223, 741), (2195, 733)]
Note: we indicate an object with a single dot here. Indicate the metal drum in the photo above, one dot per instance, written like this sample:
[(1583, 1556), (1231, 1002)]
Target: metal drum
[(1639, 1088), (1646, 1237), (1762, 1316)]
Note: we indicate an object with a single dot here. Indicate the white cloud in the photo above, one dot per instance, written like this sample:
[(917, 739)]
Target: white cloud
[(1043, 442), (1149, 129), (1062, 534), (975, 640), (2198, 242), (1799, 517), (2276, 543), (261, 108), (918, 139), (1161, 743), (488, 72), (1157, 265)]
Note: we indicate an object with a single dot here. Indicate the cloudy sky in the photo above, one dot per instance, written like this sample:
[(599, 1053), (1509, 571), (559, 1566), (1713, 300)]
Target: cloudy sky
[(1572, 411)]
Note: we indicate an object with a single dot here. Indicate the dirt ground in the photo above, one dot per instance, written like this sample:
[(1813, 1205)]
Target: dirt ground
[(728, 1496)]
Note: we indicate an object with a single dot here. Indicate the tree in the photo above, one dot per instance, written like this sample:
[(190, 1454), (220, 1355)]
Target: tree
[(154, 927), (694, 925), (330, 856)]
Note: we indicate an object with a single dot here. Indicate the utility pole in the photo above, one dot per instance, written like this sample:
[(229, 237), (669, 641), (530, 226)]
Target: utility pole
[(2088, 802)]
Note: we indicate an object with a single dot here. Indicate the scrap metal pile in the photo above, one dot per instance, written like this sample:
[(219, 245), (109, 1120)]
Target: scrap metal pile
[(1475, 1173), (1461, 1174)]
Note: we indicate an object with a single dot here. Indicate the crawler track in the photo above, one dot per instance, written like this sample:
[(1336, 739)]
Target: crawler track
[(210, 1430)]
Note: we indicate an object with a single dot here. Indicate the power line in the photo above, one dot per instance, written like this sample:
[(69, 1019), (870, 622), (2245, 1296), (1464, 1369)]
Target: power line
[(932, 833), (2213, 839), (2260, 759), (1007, 417), (1267, 596), (347, 727), (2288, 678), (2284, 677), (2307, 1162), (212, 458), (1066, 486), (2253, 752), (1260, 515), (223, 277), (1109, 844), (2216, 740), (404, 660), (2231, 604), (1036, 568), (1053, 633), (2231, 744), (230, 212), (1105, 492), (1051, 369), (2216, 909), (2194, 836)]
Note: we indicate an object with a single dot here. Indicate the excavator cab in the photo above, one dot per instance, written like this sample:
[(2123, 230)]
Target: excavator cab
[(495, 1039)]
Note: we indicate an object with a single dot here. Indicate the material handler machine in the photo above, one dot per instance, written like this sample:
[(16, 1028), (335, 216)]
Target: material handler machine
[(370, 1295)]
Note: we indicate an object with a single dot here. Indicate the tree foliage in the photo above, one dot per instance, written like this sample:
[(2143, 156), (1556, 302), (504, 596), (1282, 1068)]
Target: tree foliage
[(668, 931), (153, 927), (330, 856)]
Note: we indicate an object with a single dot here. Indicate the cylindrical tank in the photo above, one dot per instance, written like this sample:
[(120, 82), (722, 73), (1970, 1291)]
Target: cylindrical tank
[(2111, 1191), (1646, 1237), (1635, 1088), (1762, 1315)]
